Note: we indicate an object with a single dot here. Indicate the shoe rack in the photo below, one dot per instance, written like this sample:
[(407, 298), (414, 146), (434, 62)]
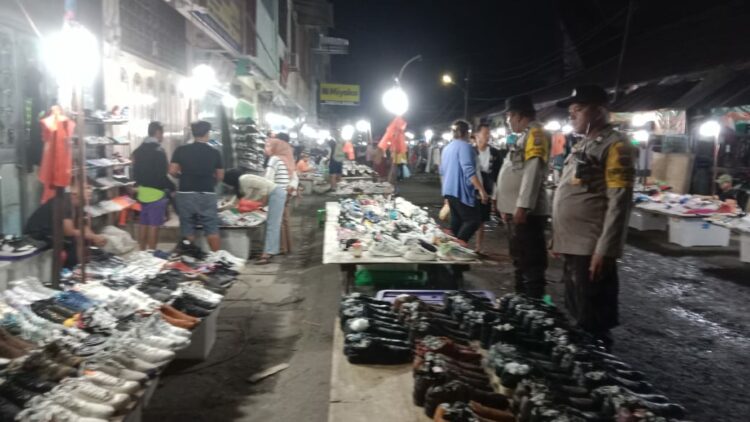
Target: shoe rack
[(248, 144)]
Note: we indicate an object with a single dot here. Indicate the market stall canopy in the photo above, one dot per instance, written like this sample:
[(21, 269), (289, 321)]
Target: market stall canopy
[(653, 96)]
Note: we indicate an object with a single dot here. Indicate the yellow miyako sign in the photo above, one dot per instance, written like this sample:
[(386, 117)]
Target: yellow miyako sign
[(339, 94)]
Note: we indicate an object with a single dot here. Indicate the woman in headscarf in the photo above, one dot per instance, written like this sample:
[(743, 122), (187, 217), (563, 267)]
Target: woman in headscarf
[(282, 171)]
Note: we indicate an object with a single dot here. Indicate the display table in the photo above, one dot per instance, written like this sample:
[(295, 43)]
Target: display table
[(743, 233), (684, 229), (202, 339), (348, 264), (643, 220)]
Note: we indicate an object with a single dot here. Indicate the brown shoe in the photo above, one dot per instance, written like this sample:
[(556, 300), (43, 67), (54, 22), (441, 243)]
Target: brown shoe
[(177, 314), (181, 323), (16, 342), (490, 413), (9, 351)]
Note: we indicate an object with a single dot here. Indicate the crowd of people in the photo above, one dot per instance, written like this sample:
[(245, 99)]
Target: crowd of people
[(589, 213), (198, 169)]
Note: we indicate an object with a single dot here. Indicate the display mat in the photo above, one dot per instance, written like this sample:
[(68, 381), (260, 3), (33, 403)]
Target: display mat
[(363, 393), (333, 255)]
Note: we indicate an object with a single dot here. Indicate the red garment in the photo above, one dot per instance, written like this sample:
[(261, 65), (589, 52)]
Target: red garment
[(57, 159), (394, 138), (348, 149), (247, 205), (558, 144)]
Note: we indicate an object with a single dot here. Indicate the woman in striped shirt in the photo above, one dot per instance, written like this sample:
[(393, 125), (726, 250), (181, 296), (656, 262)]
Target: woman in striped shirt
[(281, 170)]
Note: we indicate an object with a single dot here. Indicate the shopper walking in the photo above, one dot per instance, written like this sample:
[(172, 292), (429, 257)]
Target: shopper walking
[(336, 162), (150, 168), (591, 211), (281, 171), (521, 199), (199, 167), (461, 182), (489, 160)]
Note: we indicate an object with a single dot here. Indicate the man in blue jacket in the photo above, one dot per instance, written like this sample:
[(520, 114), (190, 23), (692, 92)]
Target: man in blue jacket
[(458, 166)]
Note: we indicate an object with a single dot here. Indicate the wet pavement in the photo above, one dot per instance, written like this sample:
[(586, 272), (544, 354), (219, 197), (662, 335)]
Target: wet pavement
[(684, 322)]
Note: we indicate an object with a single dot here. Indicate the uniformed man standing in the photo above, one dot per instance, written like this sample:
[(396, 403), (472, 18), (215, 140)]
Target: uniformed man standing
[(521, 199), (591, 210)]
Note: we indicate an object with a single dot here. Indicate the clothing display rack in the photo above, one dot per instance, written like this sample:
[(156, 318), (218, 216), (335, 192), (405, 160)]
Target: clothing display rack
[(248, 143)]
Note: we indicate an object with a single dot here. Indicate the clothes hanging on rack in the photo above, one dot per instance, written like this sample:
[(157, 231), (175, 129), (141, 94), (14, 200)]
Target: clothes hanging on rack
[(57, 159)]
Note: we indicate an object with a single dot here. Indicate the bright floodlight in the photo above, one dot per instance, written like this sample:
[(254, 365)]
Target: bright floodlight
[(396, 101), (552, 126), (363, 126), (72, 54), (711, 128), (641, 135), (229, 101), (446, 136), (323, 135), (409, 135), (640, 119), (447, 79), (428, 134), (347, 132), (566, 129), (308, 131), (500, 132)]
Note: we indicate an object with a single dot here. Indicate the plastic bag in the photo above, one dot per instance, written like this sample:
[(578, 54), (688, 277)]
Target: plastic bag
[(445, 213), (119, 241), (405, 173)]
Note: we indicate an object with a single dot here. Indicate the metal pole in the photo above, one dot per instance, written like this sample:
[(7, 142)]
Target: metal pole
[(81, 176), (408, 62), (716, 165), (622, 49), (466, 95)]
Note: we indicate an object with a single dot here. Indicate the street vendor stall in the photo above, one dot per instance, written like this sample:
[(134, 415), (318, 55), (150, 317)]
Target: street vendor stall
[(348, 260)]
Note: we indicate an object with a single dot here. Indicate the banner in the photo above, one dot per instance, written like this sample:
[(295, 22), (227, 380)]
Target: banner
[(339, 94), (224, 17)]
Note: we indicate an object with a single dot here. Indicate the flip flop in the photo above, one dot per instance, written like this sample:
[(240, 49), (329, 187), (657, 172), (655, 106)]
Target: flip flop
[(262, 261)]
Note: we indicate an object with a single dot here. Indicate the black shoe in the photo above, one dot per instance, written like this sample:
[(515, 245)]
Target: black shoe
[(8, 410), (189, 307), (376, 328), (371, 351), (189, 249), (14, 393), (31, 382)]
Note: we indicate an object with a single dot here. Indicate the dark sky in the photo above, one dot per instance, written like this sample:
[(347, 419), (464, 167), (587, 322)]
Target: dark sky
[(514, 47)]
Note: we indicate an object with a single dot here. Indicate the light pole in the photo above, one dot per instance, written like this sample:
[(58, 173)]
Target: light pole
[(408, 62), (447, 79)]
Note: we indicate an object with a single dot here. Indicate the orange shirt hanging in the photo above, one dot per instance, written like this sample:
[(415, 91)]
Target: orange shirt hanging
[(57, 160)]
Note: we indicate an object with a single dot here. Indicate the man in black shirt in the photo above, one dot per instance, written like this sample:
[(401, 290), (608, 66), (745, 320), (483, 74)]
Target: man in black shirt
[(199, 167), (150, 172), (40, 226)]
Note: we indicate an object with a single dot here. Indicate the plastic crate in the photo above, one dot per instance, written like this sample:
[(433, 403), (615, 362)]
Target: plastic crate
[(434, 297), (370, 277)]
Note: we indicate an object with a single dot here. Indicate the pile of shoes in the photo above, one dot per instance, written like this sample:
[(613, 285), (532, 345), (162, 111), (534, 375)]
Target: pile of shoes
[(558, 371), (372, 332), (362, 187), (16, 247), (66, 355), (396, 228), (536, 368), (248, 145), (353, 169)]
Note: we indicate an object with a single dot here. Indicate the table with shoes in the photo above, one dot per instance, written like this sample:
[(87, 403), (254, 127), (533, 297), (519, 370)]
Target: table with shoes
[(469, 360), (381, 230), (93, 350)]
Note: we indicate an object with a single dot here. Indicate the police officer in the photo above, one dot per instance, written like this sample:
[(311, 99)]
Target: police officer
[(521, 199), (591, 210)]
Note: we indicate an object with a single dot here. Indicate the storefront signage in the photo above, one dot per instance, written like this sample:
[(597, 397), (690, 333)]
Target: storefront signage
[(224, 17), (339, 94)]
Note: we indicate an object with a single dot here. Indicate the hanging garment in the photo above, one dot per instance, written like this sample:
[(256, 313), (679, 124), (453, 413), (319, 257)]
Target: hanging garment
[(57, 160), (348, 149), (394, 137)]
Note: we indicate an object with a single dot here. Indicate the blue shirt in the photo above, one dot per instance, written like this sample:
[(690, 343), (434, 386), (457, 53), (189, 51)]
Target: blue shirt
[(458, 163)]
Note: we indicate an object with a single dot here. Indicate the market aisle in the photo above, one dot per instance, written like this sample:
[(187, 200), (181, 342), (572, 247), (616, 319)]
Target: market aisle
[(281, 313)]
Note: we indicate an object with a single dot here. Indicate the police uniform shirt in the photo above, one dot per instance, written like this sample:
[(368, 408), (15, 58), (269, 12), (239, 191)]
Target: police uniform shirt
[(593, 199), (521, 178)]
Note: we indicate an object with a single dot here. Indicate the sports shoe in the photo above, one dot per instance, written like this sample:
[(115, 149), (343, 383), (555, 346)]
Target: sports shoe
[(421, 251), (454, 252), (223, 255), (16, 247), (147, 353), (15, 393), (110, 366), (130, 361), (44, 409), (189, 249), (386, 249), (110, 382), (80, 406), (86, 390)]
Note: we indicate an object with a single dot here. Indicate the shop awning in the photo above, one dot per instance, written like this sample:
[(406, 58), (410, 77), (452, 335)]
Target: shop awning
[(653, 96)]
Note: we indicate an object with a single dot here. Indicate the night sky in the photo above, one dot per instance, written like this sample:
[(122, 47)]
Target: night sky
[(510, 47)]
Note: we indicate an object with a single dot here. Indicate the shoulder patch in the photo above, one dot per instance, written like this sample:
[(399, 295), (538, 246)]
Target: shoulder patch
[(620, 169), (537, 145)]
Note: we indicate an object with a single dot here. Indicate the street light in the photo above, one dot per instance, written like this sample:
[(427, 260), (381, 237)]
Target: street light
[(446, 136), (447, 80), (409, 135), (347, 132), (428, 134), (566, 129), (363, 126), (552, 126), (641, 135), (396, 101), (712, 129)]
